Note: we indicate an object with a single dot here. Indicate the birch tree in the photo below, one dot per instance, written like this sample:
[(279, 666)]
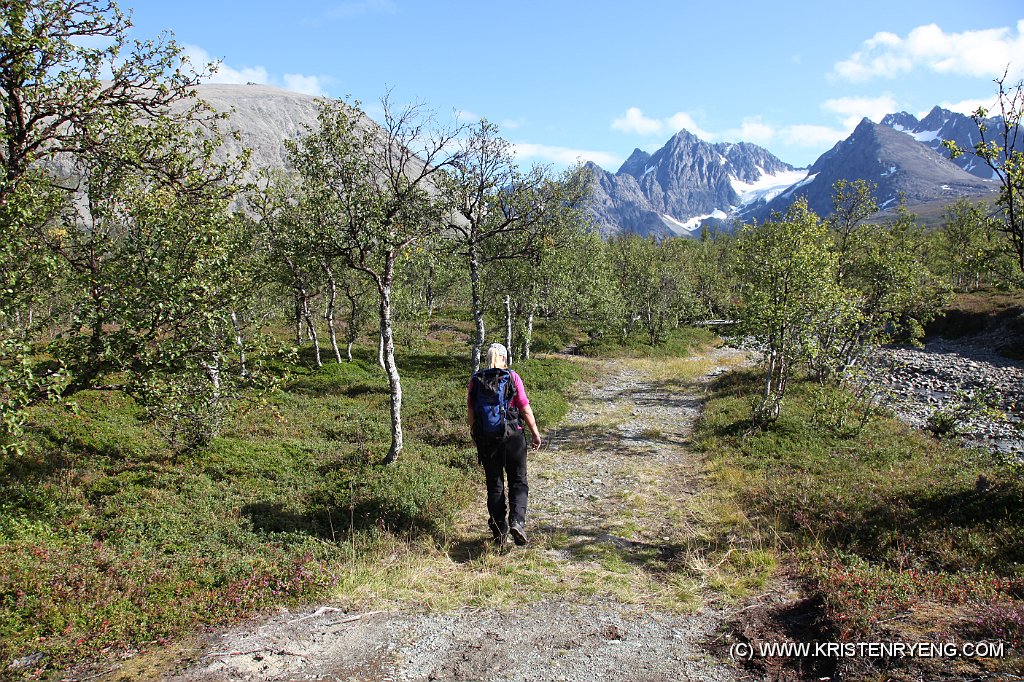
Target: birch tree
[(296, 254), (373, 184), (1002, 150), (92, 159), (656, 287), (494, 201), (559, 279), (787, 267)]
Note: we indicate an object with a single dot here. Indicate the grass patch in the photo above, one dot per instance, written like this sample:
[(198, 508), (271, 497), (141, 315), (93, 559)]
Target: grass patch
[(111, 543), (885, 525), (680, 344)]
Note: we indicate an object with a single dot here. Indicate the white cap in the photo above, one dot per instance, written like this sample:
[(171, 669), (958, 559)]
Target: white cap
[(502, 351)]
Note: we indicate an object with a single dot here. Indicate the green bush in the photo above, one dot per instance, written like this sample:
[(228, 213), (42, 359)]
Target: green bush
[(109, 539)]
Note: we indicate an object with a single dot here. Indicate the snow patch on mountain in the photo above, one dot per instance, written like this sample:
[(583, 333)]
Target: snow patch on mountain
[(766, 187), (688, 227), (808, 179)]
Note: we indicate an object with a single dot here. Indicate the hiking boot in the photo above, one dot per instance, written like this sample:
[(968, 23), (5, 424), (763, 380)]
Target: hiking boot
[(500, 534), (518, 533)]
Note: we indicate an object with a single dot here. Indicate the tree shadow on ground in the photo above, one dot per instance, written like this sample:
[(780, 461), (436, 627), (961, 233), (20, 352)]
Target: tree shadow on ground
[(597, 544), (737, 383), (469, 550), (335, 522), (428, 365), (916, 519), (593, 438)]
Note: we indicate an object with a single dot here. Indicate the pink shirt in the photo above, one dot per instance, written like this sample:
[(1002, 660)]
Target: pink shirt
[(520, 401)]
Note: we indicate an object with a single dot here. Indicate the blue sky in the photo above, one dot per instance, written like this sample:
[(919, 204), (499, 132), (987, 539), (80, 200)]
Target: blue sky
[(594, 80)]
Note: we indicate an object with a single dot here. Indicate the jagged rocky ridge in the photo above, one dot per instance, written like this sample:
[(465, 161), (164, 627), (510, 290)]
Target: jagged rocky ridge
[(689, 184), (674, 190), (941, 125), (680, 189)]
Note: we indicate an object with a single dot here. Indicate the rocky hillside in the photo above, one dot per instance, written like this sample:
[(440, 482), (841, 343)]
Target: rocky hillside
[(263, 116), (941, 125), (689, 184), (897, 163)]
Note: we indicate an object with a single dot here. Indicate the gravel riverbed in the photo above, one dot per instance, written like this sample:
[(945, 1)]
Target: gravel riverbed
[(920, 381)]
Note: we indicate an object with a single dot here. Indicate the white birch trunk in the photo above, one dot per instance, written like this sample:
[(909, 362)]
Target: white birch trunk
[(329, 312), (528, 337), (478, 307), (240, 343), (307, 314), (508, 323), (388, 347)]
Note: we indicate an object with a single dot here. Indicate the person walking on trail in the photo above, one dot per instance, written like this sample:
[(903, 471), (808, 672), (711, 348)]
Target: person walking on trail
[(498, 406)]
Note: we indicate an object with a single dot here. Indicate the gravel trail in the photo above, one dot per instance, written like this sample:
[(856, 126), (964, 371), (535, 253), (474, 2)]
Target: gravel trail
[(610, 485)]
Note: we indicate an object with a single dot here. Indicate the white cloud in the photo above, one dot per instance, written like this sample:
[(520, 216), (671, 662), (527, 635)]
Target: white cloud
[(307, 85), (967, 106), (812, 136), (512, 124), (983, 53), (635, 122), (564, 155), (752, 129), (758, 131), (466, 116), (198, 58), (684, 121), (853, 109)]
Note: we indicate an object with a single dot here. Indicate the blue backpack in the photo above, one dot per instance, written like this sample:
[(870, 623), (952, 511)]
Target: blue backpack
[(491, 395)]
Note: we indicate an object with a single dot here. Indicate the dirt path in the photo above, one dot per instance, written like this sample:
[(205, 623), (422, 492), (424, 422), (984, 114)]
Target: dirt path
[(611, 586)]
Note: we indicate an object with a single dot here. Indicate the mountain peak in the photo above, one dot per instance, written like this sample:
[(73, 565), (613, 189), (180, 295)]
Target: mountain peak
[(685, 183), (685, 135), (901, 121), (865, 124), (894, 160), (636, 164), (936, 118)]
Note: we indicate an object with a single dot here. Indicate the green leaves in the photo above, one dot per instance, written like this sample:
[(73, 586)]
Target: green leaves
[(1001, 151), (113, 216), (788, 271)]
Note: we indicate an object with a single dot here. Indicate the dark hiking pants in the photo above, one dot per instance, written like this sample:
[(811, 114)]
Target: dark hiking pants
[(501, 458)]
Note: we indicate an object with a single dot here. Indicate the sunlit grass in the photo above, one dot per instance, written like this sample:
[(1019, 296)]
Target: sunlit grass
[(879, 524)]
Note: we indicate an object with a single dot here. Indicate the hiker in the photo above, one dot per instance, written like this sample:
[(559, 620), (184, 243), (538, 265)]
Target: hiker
[(498, 406)]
